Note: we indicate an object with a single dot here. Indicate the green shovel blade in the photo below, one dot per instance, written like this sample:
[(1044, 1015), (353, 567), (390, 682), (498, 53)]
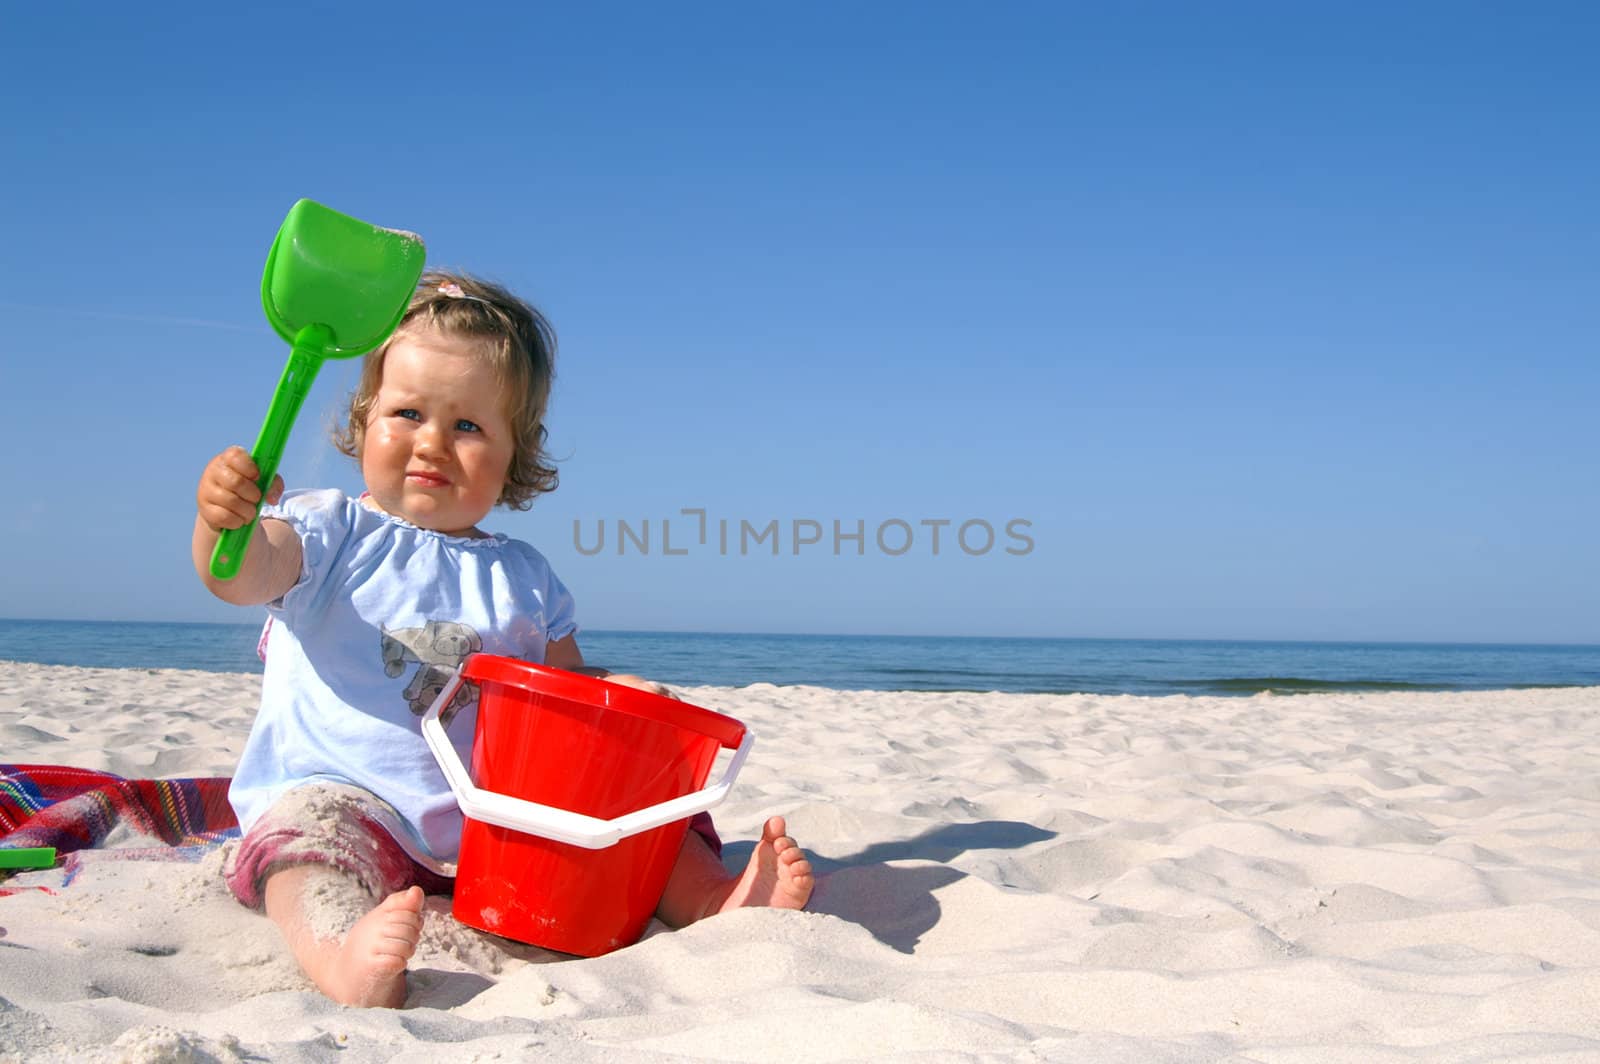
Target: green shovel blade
[(327, 268), (334, 287)]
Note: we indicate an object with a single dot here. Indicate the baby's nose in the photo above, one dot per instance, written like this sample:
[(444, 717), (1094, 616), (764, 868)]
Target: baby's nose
[(431, 437)]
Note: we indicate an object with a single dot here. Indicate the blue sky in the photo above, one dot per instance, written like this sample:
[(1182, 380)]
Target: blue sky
[(1271, 321)]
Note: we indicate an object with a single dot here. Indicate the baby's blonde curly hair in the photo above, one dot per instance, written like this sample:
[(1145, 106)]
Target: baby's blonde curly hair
[(522, 348)]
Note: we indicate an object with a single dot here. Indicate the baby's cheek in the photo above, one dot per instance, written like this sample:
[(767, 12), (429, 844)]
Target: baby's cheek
[(380, 434)]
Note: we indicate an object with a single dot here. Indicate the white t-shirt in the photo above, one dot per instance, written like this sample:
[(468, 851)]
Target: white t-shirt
[(359, 647)]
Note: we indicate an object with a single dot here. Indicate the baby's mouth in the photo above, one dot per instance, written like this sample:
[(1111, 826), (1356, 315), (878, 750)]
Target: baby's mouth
[(426, 479)]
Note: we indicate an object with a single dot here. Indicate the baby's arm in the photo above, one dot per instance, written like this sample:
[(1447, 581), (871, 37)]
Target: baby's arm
[(226, 498), (564, 654)]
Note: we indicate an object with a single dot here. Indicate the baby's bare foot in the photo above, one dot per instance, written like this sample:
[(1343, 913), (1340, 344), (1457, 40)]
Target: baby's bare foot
[(778, 875), (369, 968)]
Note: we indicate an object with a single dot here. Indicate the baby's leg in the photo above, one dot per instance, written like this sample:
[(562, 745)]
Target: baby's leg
[(328, 871), (363, 963), (778, 876)]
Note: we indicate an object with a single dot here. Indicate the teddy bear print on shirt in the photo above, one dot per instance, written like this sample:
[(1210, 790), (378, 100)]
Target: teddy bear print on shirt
[(438, 647)]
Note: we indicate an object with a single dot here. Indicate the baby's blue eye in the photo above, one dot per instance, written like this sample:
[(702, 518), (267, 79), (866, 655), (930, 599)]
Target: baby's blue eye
[(466, 426), (409, 414)]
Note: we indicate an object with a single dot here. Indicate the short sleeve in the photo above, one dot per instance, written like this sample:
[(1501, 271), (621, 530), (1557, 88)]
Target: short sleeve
[(560, 611), (322, 521)]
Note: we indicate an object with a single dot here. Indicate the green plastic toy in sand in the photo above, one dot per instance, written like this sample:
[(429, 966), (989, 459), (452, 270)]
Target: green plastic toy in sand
[(334, 287), (22, 859)]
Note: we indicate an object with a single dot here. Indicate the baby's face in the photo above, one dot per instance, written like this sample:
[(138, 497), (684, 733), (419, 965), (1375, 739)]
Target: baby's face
[(438, 441)]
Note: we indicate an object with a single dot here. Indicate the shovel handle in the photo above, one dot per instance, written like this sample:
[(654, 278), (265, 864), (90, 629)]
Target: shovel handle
[(228, 555), (305, 359)]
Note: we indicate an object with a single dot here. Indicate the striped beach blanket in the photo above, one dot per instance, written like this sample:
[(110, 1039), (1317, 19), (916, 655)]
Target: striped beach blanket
[(76, 809)]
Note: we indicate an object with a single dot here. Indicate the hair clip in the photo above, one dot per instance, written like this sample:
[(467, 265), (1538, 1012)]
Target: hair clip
[(453, 290)]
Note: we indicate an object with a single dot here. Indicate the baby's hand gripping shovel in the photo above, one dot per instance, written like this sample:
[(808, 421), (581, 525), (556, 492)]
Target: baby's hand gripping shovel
[(334, 287)]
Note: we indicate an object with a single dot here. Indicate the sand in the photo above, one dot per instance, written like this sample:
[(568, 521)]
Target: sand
[(1288, 879)]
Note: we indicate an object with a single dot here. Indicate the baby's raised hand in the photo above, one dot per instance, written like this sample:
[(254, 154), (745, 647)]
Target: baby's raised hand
[(228, 495)]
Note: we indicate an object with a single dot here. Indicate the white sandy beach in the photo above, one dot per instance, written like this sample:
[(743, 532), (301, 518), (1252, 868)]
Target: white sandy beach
[(1289, 879)]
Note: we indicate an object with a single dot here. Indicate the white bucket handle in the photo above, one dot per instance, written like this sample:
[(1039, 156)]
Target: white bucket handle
[(547, 821)]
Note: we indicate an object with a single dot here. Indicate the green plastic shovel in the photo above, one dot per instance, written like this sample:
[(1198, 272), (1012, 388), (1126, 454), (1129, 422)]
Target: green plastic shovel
[(334, 287)]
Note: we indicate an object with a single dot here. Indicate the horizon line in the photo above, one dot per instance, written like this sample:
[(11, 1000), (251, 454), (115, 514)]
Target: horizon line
[(926, 635)]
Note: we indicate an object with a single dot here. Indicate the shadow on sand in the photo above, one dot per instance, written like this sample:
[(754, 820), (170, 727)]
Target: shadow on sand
[(897, 905)]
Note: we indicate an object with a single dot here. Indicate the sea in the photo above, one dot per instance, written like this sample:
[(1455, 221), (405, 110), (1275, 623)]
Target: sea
[(907, 663)]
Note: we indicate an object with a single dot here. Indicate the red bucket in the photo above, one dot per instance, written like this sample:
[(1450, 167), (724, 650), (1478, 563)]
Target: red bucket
[(577, 802)]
